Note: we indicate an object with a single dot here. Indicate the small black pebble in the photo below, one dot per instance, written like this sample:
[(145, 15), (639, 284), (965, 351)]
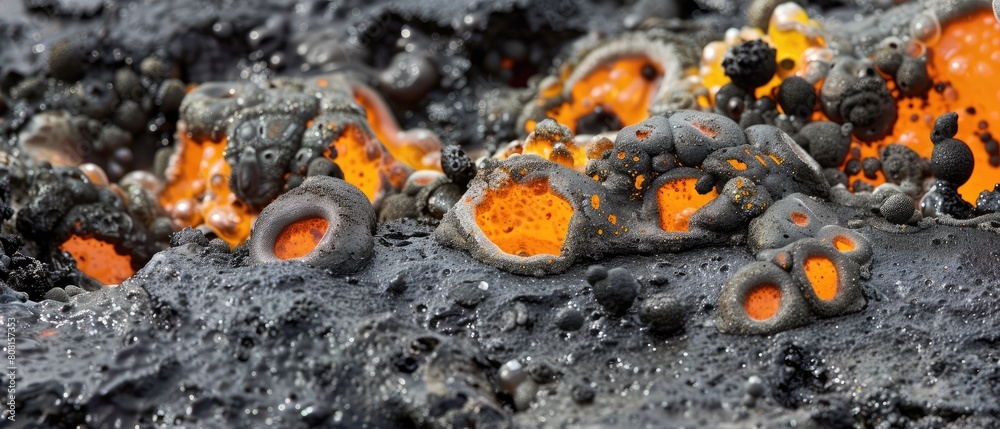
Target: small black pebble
[(662, 314), (569, 319), (871, 167), (616, 292), (582, 394), (57, 294), (853, 167), (457, 166), (596, 273)]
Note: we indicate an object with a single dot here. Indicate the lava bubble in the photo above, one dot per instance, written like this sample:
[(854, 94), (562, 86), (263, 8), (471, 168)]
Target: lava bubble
[(898, 208), (325, 222), (952, 161)]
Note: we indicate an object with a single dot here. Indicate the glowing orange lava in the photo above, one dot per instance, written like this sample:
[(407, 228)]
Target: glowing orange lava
[(300, 238), (822, 275), (98, 259), (762, 302), (525, 219), (678, 200), (966, 65), (620, 88)]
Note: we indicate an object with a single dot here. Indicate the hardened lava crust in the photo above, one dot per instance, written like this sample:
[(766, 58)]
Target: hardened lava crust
[(507, 214), (426, 337)]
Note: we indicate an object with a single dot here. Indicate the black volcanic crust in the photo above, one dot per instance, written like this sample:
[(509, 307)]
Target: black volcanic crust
[(231, 346)]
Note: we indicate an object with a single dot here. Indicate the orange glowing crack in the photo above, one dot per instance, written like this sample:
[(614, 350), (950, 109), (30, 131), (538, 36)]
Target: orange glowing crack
[(822, 276), (762, 302), (300, 238), (98, 259), (619, 88), (678, 200), (525, 219)]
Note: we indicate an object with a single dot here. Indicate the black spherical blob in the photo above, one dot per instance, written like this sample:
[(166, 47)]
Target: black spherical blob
[(57, 294), (797, 97), (127, 84), (732, 101), (870, 107), (662, 314), (888, 59), (871, 166), (829, 142), (952, 161), (569, 319), (67, 60), (900, 163), (897, 209), (170, 95), (750, 64), (912, 77), (945, 127), (130, 117), (457, 166), (596, 273), (616, 292)]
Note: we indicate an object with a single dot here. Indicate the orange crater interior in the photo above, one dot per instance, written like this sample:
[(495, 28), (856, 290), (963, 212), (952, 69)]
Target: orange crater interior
[(762, 302), (678, 200), (822, 275), (618, 87), (525, 219), (300, 238)]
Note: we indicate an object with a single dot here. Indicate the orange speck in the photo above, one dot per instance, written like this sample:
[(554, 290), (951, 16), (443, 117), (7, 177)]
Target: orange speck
[(525, 219), (762, 302), (300, 238), (643, 134), (613, 219), (677, 201), (822, 275), (639, 181), (98, 259), (47, 333), (737, 164), (799, 218), (595, 202)]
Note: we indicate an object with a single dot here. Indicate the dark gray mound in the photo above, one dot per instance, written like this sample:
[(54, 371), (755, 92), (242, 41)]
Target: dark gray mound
[(418, 339)]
